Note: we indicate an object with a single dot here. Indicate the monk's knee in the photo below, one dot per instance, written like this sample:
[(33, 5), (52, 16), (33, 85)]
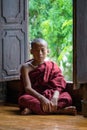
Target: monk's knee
[(21, 100)]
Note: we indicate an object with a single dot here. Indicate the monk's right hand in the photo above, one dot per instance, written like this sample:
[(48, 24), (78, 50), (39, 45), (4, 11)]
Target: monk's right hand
[(46, 104)]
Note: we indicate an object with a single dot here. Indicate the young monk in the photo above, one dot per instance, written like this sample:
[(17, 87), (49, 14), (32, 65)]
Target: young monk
[(43, 85)]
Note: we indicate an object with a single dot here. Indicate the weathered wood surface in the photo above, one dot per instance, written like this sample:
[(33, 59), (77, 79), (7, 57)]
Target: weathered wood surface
[(10, 119)]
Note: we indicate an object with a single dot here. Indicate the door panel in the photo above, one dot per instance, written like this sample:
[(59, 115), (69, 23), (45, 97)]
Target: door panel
[(12, 11), (13, 37), (80, 40)]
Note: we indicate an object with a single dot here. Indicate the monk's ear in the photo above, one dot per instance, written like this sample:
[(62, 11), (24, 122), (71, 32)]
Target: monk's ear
[(48, 50)]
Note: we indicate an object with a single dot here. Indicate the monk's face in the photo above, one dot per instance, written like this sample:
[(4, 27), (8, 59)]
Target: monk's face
[(39, 52)]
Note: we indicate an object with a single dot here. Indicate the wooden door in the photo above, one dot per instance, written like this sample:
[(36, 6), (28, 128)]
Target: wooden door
[(13, 37), (80, 41)]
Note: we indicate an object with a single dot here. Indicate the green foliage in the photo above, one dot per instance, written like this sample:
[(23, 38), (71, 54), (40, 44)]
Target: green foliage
[(52, 20)]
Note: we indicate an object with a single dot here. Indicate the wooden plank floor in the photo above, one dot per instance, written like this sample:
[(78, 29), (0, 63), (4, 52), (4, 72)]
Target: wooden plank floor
[(10, 119)]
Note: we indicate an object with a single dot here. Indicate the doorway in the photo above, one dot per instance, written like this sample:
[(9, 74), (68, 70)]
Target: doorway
[(53, 21)]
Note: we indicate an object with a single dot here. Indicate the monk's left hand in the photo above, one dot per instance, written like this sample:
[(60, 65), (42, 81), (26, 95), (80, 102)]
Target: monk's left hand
[(54, 101), (54, 104)]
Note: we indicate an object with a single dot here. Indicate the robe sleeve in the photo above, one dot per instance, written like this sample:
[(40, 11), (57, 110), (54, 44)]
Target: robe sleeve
[(56, 79)]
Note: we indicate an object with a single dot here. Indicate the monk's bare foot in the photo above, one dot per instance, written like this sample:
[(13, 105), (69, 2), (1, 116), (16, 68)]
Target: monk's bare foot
[(26, 111), (71, 110)]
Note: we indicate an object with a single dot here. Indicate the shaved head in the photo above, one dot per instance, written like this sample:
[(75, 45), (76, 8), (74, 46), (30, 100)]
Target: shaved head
[(39, 41)]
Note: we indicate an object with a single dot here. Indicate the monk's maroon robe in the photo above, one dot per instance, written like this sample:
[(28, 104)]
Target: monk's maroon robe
[(45, 79)]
